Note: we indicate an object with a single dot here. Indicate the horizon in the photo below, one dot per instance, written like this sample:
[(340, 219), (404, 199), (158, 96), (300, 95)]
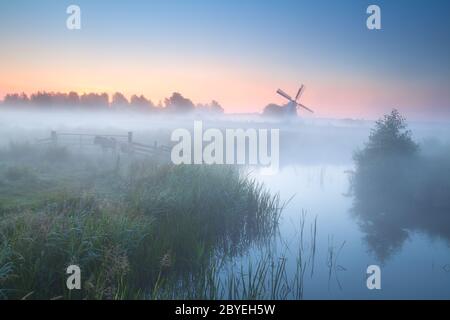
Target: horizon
[(157, 48)]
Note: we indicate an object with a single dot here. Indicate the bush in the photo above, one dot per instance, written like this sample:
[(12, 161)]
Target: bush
[(398, 189), (390, 137)]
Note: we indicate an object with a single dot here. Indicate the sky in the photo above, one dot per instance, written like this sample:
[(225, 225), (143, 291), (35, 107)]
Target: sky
[(238, 52)]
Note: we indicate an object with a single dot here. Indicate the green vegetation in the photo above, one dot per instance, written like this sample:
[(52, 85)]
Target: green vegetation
[(137, 229), (389, 137), (399, 188), (385, 159)]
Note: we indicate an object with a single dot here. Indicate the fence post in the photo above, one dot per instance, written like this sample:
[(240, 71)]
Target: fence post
[(54, 137), (130, 142)]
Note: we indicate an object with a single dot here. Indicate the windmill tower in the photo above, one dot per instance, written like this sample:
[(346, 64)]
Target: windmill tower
[(293, 103)]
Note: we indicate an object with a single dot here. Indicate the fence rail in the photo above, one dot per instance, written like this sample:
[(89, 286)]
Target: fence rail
[(113, 142)]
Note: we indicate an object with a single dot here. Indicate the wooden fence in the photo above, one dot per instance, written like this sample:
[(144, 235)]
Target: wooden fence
[(107, 142)]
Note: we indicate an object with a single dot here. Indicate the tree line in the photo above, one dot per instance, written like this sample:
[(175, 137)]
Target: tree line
[(101, 101)]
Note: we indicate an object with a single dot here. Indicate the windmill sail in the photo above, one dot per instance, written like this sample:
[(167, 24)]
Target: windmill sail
[(299, 93), (284, 94), (294, 103), (304, 107)]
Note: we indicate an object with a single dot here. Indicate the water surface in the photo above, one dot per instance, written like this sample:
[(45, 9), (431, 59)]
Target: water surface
[(418, 263)]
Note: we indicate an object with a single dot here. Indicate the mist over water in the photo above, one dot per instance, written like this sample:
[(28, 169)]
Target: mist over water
[(409, 238)]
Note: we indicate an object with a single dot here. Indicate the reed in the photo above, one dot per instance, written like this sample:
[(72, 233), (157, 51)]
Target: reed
[(138, 230)]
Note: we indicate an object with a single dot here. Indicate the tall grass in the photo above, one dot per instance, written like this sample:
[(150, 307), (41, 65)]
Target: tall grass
[(143, 230), (265, 276)]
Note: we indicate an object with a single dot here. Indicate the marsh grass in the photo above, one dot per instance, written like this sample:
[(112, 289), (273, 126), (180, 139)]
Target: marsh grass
[(265, 276), (137, 229), (271, 270)]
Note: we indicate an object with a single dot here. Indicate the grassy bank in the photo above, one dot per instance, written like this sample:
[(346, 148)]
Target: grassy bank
[(137, 229)]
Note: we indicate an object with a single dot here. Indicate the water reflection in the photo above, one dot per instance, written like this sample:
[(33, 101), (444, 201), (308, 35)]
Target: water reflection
[(394, 199)]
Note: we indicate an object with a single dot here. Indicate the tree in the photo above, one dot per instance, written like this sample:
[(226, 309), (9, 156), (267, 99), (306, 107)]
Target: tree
[(178, 103), (41, 99), (213, 107), (390, 137), (397, 189), (16, 99), (141, 103), (73, 99), (216, 107), (95, 100), (119, 101)]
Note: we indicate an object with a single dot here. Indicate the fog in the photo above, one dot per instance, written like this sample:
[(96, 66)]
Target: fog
[(302, 141), (393, 207)]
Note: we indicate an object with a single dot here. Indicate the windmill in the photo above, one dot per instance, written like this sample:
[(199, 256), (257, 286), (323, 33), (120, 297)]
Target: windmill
[(293, 103)]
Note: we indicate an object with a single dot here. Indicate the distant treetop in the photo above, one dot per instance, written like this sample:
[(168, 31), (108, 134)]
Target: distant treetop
[(98, 101)]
